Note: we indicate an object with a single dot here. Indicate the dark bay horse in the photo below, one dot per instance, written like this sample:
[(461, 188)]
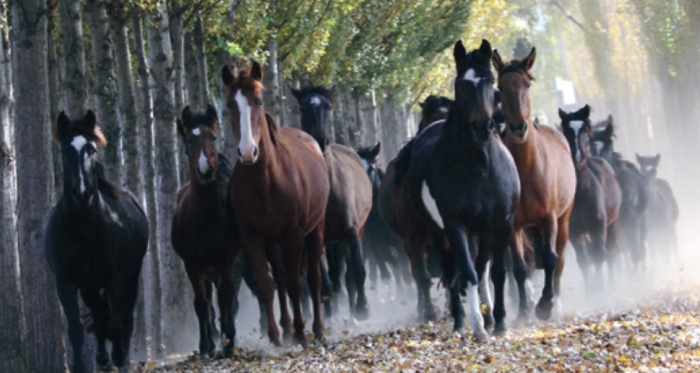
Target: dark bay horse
[(278, 193), (382, 247), (201, 231), (547, 177), (459, 181), (662, 213), (95, 241), (593, 225), (634, 188), (350, 199), (433, 109)]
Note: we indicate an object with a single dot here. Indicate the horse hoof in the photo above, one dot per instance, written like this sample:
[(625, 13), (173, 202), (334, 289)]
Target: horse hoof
[(361, 312), (543, 311), (301, 339), (480, 335), (107, 367), (123, 369), (430, 314), (103, 362), (488, 322), (459, 325), (500, 330), (228, 351)]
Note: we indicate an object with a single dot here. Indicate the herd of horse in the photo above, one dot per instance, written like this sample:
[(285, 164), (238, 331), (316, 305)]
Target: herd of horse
[(482, 191)]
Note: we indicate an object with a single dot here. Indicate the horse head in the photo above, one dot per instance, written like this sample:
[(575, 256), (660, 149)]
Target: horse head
[(79, 141), (577, 129), (244, 99), (649, 165), (514, 81), (315, 105), (199, 132), (602, 139), (434, 108)]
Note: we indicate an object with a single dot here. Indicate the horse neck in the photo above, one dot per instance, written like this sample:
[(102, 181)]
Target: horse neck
[(76, 214), (205, 194), (525, 153)]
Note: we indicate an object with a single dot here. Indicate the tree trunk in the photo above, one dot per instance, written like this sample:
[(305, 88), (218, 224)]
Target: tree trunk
[(199, 42), (177, 39), (73, 53), (271, 96), (194, 91), (229, 141), (34, 185), (173, 274), (12, 325), (152, 281), (340, 116), (56, 87), (283, 118), (105, 88), (291, 106), (370, 120), (393, 130)]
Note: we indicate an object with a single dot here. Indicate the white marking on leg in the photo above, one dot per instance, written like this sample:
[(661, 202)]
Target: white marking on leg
[(431, 206), (196, 131), (576, 125), (203, 164), (247, 143), (470, 75), (529, 291), (477, 321), (485, 288)]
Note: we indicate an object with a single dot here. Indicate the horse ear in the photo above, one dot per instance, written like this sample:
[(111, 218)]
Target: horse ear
[(90, 120), (61, 128), (562, 113), (212, 113), (180, 128), (485, 48), (186, 114), (227, 75), (376, 149), (610, 120), (296, 93), (608, 132), (530, 59), (256, 72), (639, 158), (459, 51), (585, 111), (497, 61), (657, 159), (421, 104)]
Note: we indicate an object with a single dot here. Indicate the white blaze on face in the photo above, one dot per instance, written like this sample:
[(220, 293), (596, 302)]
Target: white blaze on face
[(203, 164), (79, 143), (431, 206), (598, 147), (315, 100), (196, 131), (365, 164), (470, 75), (247, 143), (444, 109), (576, 126)]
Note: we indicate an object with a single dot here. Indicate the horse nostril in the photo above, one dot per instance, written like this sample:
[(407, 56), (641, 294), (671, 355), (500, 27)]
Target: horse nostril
[(255, 152), (238, 151)]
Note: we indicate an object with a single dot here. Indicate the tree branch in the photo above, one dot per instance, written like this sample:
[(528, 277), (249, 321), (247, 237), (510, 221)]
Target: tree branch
[(568, 15)]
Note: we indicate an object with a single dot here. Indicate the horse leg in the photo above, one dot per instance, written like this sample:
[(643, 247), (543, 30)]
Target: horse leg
[(454, 303), (357, 267), (122, 301), (543, 310), (305, 298), (266, 291), (520, 274), (246, 269), (611, 248), (227, 293), (314, 245), (335, 268), (578, 241), (350, 284), (499, 251), (68, 295), (466, 277), (292, 259), (326, 291), (482, 270), (99, 313), (280, 274), (598, 252), (416, 256), (202, 308)]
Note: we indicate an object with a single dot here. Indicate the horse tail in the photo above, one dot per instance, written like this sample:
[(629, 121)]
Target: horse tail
[(403, 159), (224, 167)]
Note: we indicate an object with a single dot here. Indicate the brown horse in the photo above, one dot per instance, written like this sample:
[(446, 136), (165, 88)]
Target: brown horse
[(350, 198), (547, 176), (278, 192)]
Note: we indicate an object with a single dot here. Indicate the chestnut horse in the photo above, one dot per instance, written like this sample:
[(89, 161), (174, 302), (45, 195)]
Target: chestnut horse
[(593, 224), (547, 177), (350, 199), (278, 193), (95, 241), (459, 181), (433, 109), (201, 231)]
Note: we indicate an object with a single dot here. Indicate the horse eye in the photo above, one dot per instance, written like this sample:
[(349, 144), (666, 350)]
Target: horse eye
[(213, 138), (528, 85), (90, 149), (258, 102)]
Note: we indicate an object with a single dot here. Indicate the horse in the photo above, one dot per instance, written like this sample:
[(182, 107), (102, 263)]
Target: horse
[(350, 199), (634, 188), (201, 232), (95, 241), (547, 176), (662, 213), (459, 181), (433, 108), (278, 193), (593, 224), (383, 247)]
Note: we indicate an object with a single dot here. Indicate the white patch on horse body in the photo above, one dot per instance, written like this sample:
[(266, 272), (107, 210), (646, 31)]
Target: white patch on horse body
[(203, 164), (431, 206), (470, 75), (477, 321), (78, 143), (439, 120), (365, 164), (598, 146), (196, 131), (502, 127), (576, 125), (247, 143), (485, 289), (315, 100)]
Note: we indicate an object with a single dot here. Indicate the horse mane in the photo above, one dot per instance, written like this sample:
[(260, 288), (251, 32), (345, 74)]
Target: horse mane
[(321, 91), (103, 184), (516, 66), (403, 160)]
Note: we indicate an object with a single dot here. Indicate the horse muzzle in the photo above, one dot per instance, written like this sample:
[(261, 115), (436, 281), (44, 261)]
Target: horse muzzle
[(482, 129), (518, 130), (249, 155), (205, 177)]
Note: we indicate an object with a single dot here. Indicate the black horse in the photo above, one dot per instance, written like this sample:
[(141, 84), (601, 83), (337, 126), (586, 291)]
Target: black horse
[(634, 188), (593, 225), (662, 213), (95, 241), (460, 182), (382, 246), (433, 109)]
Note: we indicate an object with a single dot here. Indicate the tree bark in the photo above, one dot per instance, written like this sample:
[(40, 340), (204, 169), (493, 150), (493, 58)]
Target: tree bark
[(173, 274), (105, 87), (152, 281), (370, 120), (12, 324), (44, 348), (56, 87), (271, 96), (73, 53), (175, 27), (199, 42), (229, 147)]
